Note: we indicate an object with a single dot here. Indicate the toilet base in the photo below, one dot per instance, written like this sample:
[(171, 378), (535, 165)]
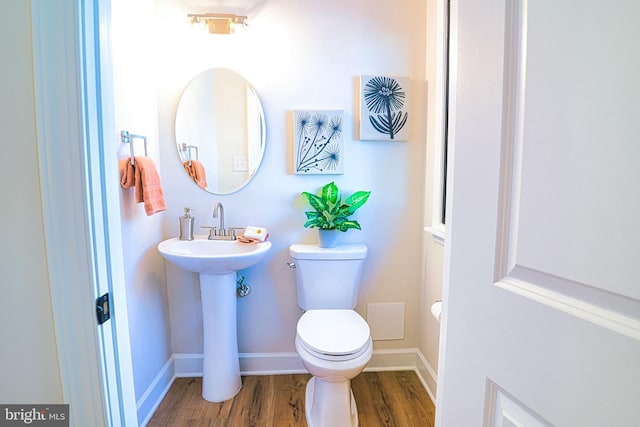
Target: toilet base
[(330, 404)]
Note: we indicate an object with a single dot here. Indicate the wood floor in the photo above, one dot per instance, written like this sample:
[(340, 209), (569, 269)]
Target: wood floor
[(390, 399)]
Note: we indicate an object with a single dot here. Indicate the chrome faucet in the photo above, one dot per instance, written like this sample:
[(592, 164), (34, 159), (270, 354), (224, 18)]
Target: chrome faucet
[(220, 233), (218, 212)]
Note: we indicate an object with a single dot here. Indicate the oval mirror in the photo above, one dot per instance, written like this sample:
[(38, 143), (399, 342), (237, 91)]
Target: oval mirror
[(220, 131)]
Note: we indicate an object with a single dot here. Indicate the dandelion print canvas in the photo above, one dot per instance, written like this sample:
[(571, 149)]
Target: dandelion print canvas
[(384, 108), (318, 143)]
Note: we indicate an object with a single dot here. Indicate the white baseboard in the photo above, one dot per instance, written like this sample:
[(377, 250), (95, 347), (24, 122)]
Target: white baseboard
[(271, 364), (190, 365), (157, 390), (187, 365), (401, 359), (427, 375)]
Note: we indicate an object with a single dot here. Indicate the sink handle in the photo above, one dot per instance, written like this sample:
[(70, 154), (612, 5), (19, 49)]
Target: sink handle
[(232, 231), (291, 264), (212, 230)]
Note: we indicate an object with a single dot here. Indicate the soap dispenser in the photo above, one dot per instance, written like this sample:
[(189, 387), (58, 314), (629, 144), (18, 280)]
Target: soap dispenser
[(186, 225)]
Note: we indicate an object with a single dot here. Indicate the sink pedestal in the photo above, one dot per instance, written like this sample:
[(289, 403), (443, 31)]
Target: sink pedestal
[(217, 262), (221, 365)]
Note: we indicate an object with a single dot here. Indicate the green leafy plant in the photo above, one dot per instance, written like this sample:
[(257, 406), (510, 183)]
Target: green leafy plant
[(330, 211)]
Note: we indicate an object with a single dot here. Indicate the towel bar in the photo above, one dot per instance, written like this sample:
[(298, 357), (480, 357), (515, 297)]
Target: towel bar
[(187, 148), (127, 138)]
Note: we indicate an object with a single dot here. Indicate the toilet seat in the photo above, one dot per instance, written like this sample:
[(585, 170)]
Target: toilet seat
[(334, 334)]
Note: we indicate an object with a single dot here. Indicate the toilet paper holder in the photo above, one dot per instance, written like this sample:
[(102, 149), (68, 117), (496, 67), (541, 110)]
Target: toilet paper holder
[(436, 310)]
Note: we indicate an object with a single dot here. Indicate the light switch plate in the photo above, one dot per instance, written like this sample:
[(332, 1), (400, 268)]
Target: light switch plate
[(239, 164)]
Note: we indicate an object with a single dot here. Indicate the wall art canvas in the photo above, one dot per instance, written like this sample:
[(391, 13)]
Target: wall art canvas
[(384, 108), (318, 146)]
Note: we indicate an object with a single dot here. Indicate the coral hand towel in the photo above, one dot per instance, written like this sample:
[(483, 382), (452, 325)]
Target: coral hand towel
[(143, 176), (196, 171), (148, 187), (127, 173)]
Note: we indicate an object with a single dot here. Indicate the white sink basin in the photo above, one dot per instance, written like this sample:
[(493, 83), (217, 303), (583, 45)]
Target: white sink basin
[(212, 256), (217, 261)]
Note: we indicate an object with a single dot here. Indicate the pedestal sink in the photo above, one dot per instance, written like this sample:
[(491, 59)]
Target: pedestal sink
[(217, 261)]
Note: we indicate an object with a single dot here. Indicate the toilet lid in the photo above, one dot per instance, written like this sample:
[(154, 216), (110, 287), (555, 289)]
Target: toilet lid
[(333, 332)]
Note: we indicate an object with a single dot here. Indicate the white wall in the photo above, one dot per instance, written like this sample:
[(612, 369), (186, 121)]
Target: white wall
[(302, 55), (136, 112), (29, 371)]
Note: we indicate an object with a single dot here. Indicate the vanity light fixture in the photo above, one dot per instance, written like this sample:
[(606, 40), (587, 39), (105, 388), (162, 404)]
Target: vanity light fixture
[(219, 23)]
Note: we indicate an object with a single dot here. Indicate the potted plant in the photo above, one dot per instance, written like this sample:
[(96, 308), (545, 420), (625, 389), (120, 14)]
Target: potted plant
[(331, 213)]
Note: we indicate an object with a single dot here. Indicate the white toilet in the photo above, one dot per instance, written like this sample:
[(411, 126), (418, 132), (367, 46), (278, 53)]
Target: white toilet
[(332, 339)]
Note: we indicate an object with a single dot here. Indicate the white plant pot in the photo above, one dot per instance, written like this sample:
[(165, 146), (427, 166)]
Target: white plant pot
[(328, 238)]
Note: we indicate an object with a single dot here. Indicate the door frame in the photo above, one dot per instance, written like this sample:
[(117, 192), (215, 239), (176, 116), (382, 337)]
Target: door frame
[(81, 208), (452, 70)]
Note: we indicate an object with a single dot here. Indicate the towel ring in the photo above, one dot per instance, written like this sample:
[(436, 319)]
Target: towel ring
[(127, 138)]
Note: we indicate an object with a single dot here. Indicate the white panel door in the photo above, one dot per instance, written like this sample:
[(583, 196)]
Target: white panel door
[(541, 322)]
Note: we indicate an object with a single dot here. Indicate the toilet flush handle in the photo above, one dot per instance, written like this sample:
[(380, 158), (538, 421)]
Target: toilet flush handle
[(291, 264)]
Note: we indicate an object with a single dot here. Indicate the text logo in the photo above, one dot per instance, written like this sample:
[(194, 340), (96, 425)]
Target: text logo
[(34, 415)]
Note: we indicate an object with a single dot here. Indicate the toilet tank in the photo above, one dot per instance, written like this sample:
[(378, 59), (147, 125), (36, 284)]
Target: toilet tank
[(328, 278)]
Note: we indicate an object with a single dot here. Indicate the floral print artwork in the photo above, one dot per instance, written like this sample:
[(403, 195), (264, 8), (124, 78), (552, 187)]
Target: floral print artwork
[(384, 108), (318, 142)]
